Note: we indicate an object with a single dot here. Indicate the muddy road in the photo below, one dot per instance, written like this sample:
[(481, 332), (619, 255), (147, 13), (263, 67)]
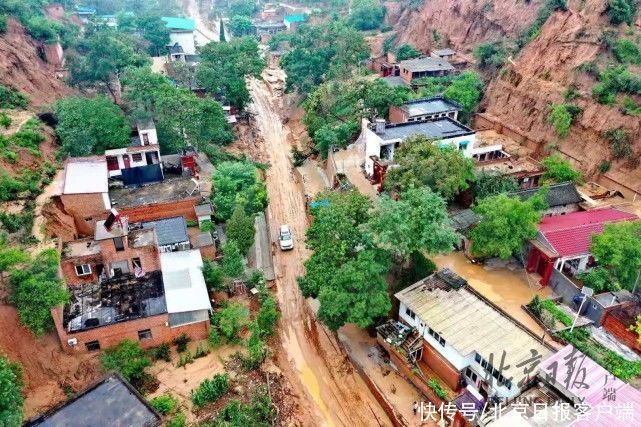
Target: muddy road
[(331, 391)]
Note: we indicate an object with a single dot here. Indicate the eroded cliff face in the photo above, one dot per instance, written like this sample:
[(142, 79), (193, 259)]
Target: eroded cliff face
[(521, 94), (22, 66), (462, 24)]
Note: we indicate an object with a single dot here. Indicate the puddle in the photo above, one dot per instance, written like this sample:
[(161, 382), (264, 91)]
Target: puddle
[(506, 288)]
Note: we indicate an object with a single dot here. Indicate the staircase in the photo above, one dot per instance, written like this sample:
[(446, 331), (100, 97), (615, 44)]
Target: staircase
[(412, 343)]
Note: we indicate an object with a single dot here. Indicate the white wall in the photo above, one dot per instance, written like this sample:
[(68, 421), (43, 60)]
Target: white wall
[(120, 152), (151, 133), (184, 39)]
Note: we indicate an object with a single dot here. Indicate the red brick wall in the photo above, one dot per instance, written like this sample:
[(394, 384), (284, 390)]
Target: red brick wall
[(440, 366), (113, 334), (149, 256), (183, 208), (83, 205), (69, 269), (619, 330), (396, 114)]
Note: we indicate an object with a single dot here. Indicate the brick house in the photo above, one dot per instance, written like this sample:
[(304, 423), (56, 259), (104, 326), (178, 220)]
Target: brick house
[(122, 286), (563, 241), (412, 69), (561, 198), (85, 188), (469, 343), (431, 108)]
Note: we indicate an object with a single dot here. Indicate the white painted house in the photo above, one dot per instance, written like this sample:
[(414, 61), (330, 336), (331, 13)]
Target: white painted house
[(182, 32), (143, 151)]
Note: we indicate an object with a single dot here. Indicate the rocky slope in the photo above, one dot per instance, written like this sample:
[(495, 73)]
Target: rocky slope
[(22, 66), (521, 94)]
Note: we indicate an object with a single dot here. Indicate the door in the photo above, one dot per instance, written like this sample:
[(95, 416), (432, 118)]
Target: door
[(126, 160)]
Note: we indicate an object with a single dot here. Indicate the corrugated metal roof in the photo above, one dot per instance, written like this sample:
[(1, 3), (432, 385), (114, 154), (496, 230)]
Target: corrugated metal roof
[(571, 234), (469, 324)]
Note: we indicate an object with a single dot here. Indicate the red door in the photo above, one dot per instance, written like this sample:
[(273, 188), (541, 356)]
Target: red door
[(125, 158)]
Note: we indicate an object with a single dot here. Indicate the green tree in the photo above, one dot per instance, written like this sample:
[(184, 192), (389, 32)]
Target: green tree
[(621, 11), (233, 266), (557, 169), (90, 125), (101, 58), (627, 51), (214, 275), (240, 25), (358, 292), (243, 7), (233, 181), (366, 14), (11, 383), (618, 250), (490, 54), (506, 223), (36, 289), (416, 222), (240, 227), (561, 119), (422, 162), (232, 319), (155, 31), (489, 184), (129, 359), (406, 51), (322, 52), (267, 317), (466, 89)]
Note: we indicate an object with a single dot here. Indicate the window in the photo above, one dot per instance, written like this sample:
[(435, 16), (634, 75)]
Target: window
[(136, 262), (441, 340), (145, 334), (410, 313), (477, 358), (186, 317), (112, 163), (92, 345), (136, 157), (83, 269), (145, 139), (119, 244)]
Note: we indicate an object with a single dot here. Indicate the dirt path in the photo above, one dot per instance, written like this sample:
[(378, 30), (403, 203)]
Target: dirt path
[(332, 393)]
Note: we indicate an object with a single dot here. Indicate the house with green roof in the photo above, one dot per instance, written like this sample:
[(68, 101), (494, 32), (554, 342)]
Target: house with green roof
[(292, 21), (182, 33)]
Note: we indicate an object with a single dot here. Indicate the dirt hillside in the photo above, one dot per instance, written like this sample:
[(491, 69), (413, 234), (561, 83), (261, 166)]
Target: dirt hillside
[(521, 94), (22, 67)]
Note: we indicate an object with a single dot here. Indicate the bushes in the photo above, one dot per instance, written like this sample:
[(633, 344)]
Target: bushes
[(44, 29), (558, 170), (366, 14), (5, 121), (128, 359), (437, 388), (267, 317), (621, 11), (619, 143), (10, 393), (3, 23), (231, 319), (214, 276), (259, 412), (490, 54), (12, 98), (36, 289), (210, 390), (627, 52), (406, 51), (561, 119), (240, 227), (614, 80), (164, 404), (181, 342), (162, 352), (630, 107)]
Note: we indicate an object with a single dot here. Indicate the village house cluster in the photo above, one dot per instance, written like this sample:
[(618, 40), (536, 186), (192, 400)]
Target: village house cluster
[(132, 264)]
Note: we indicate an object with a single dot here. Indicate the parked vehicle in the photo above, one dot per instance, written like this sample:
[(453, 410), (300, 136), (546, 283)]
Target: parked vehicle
[(285, 238)]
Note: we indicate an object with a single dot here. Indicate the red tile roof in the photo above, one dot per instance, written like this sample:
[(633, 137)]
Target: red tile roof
[(571, 234)]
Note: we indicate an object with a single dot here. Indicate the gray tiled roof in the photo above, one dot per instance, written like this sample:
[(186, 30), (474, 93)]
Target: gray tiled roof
[(559, 194), (432, 105), (444, 128), (426, 64), (169, 230), (444, 52)]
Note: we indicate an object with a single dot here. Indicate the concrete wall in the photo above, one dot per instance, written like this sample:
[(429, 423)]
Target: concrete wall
[(111, 335), (119, 155), (563, 287), (185, 39), (184, 208)]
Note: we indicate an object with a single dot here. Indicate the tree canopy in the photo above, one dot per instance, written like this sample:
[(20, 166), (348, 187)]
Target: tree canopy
[(557, 169), (467, 90), (506, 223), (224, 67), (129, 359), (417, 222), (240, 25), (10, 393), (240, 227), (322, 52), (366, 14), (422, 162), (618, 251), (406, 51), (36, 289), (90, 125), (234, 182), (490, 184), (181, 117), (334, 110)]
